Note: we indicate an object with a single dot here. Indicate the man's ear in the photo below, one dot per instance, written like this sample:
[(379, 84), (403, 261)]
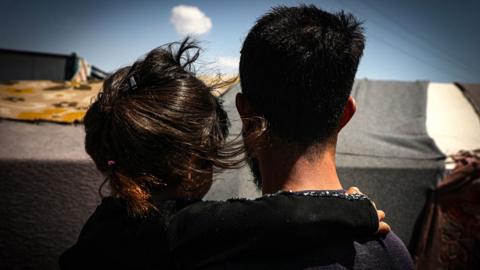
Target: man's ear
[(244, 107), (246, 111), (348, 112)]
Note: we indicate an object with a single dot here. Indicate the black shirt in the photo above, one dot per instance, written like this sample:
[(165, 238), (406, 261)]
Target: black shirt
[(112, 239)]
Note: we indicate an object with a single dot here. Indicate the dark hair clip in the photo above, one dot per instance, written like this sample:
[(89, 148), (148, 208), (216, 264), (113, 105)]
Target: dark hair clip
[(132, 83)]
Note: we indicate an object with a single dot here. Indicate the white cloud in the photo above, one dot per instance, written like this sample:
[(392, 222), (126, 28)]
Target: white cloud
[(190, 20), (227, 62)]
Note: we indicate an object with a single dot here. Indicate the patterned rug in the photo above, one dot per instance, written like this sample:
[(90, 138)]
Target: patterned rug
[(62, 102), (57, 101)]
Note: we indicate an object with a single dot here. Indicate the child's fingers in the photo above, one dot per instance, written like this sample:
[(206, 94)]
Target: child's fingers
[(383, 228), (381, 215), (354, 190)]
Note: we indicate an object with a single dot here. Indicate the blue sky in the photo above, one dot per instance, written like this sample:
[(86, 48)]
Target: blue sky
[(406, 40)]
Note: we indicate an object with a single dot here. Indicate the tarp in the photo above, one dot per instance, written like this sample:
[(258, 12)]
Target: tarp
[(472, 92), (48, 189), (451, 120), (389, 122), (386, 150)]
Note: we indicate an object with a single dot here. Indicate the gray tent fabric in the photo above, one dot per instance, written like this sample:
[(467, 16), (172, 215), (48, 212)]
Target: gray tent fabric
[(472, 93), (48, 189), (44, 205), (389, 122), (385, 150), (398, 186)]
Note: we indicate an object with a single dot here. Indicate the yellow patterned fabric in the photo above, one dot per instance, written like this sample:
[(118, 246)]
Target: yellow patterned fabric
[(62, 102)]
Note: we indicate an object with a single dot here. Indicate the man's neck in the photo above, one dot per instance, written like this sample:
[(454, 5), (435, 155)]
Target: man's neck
[(286, 170)]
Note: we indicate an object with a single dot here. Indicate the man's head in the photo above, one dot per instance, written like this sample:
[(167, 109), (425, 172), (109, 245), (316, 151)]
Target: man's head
[(297, 68)]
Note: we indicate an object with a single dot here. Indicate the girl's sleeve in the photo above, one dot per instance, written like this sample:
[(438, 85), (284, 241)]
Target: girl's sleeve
[(305, 218)]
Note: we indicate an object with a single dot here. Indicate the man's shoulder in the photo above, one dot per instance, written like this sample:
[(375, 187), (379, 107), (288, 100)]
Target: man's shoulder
[(372, 252), (382, 252)]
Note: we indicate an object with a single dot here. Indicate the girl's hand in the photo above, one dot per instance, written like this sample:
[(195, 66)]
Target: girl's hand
[(383, 227)]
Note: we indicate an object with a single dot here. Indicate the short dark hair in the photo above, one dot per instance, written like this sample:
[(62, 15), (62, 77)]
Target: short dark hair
[(297, 68), (166, 128)]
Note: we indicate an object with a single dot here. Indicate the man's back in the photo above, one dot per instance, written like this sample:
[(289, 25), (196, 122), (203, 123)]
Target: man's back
[(380, 252), (387, 252)]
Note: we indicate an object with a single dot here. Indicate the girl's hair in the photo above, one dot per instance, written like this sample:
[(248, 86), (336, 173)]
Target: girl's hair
[(155, 124)]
